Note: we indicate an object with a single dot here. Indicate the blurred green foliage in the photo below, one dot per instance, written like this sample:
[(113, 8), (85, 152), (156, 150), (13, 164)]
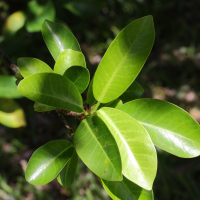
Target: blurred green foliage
[(171, 73)]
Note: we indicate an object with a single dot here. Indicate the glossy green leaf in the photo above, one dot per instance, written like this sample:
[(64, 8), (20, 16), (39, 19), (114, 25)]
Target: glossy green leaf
[(67, 175), (123, 60), (8, 88), (138, 154), (40, 107), (11, 114), (80, 76), (112, 104), (37, 12), (90, 97), (58, 38), (67, 59), (53, 90), (126, 190), (170, 128), (134, 91), (97, 149), (29, 66), (47, 161)]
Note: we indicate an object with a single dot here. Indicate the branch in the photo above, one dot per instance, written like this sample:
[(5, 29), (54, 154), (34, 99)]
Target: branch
[(12, 66), (61, 116)]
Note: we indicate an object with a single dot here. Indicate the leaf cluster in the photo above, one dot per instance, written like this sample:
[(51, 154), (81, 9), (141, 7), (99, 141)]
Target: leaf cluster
[(116, 132)]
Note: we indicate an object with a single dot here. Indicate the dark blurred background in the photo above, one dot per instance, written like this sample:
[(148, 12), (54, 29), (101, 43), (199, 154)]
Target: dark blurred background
[(171, 73)]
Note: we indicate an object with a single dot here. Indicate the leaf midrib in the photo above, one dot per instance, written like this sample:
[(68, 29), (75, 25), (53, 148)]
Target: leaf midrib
[(121, 137), (155, 127), (86, 123), (55, 98), (117, 69), (129, 190), (47, 164)]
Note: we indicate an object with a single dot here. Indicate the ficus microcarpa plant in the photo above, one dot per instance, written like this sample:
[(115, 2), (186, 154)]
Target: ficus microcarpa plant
[(114, 133)]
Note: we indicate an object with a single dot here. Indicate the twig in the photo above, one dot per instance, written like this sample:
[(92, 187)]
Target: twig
[(61, 116), (5, 57)]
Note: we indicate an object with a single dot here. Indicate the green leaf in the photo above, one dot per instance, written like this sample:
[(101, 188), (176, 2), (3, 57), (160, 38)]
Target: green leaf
[(58, 38), (67, 175), (126, 190), (170, 128), (53, 90), (29, 66), (8, 88), (134, 91), (37, 13), (123, 60), (90, 97), (84, 8), (67, 59), (11, 114), (97, 149), (39, 107), (139, 160), (47, 161), (80, 76), (112, 104)]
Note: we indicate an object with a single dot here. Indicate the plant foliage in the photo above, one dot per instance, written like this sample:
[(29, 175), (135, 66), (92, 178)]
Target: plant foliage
[(116, 132)]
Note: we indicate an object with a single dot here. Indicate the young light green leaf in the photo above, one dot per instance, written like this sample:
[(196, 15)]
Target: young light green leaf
[(15, 119), (67, 175), (138, 154), (52, 90), (134, 91), (80, 76), (67, 59), (123, 60), (13, 24), (40, 107), (29, 66), (170, 128), (58, 38), (37, 13), (97, 149), (47, 161), (90, 97), (11, 114), (126, 190), (8, 88)]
